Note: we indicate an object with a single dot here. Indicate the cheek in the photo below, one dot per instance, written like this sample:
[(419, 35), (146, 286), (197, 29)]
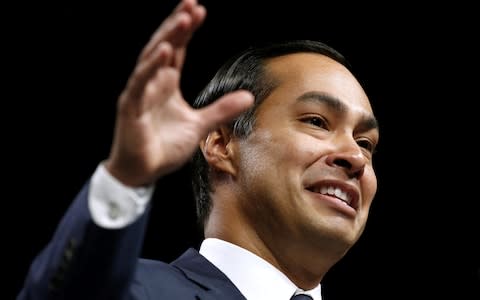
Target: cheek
[(278, 153), (276, 157), (264, 160), (256, 161), (369, 186)]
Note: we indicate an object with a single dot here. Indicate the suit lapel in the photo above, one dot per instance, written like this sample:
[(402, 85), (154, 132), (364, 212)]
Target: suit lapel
[(214, 284)]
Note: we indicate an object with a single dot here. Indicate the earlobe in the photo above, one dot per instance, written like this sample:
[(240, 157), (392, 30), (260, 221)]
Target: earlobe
[(218, 151)]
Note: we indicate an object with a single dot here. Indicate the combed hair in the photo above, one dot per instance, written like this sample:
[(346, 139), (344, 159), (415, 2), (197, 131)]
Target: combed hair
[(245, 71)]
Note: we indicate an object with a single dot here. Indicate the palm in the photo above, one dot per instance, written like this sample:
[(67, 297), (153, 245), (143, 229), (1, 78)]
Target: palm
[(163, 136), (159, 132), (156, 130)]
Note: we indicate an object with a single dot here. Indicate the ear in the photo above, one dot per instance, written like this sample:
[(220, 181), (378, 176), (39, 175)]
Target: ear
[(218, 150)]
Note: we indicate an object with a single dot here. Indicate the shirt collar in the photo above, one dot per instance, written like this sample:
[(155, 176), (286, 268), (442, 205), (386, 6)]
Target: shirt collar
[(253, 276)]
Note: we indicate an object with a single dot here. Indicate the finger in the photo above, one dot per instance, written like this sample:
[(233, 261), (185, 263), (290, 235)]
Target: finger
[(181, 41), (177, 28), (198, 15), (147, 68), (225, 109), (185, 5), (196, 11), (160, 88)]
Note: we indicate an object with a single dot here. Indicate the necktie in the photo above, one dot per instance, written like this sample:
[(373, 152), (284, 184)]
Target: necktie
[(301, 297)]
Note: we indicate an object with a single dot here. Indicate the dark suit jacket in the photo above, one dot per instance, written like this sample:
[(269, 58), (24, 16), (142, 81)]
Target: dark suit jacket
[(84, 261)]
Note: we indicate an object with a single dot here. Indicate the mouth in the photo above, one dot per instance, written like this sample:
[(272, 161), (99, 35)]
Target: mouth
[(339, 190)]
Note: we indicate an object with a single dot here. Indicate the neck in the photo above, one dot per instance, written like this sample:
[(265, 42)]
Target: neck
[(304, 263)]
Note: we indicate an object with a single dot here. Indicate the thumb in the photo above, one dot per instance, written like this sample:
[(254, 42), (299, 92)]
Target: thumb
[(226, 108)]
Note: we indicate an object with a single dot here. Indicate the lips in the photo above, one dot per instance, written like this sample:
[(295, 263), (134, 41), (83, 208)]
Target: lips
[(340, 190)]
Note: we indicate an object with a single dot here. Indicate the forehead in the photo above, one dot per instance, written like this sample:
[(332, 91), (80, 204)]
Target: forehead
[(300, 73)]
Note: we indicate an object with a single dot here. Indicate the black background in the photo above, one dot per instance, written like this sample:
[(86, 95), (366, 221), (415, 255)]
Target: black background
[(67, 63)]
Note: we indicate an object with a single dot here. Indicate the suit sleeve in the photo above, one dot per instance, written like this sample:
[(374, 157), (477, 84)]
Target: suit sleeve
[(84, 260)]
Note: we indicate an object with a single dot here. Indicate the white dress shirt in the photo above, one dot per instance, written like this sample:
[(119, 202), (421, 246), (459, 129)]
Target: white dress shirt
[(252, 275), (114, 205)]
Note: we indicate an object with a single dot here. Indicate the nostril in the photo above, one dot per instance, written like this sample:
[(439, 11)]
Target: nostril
[(343, 163), (349, 167)]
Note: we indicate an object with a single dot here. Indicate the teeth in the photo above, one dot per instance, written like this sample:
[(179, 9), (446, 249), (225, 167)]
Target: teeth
[(331, 190), (335, 191)]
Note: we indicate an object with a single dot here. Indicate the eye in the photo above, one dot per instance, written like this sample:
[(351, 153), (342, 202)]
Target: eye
[(315, 121), (367, 145)]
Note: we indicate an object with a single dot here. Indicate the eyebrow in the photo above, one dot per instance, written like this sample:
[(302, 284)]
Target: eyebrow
[(367, 122)]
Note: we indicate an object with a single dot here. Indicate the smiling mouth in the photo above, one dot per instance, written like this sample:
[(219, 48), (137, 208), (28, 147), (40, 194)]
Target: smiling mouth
[(338, 192)]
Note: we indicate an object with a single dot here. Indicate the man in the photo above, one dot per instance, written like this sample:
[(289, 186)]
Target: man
[(284, 177)]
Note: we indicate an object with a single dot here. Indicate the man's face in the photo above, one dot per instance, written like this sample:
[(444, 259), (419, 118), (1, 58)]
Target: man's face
[(305, 172)]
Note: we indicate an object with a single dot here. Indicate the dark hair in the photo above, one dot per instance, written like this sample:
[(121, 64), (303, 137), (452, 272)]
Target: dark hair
[(245, 71)]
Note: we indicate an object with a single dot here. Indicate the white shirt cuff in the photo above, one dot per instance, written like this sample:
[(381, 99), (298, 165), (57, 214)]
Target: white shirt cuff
[(114, 205)]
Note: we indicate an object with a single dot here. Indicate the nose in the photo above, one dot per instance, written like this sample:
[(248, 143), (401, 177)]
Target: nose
[(348, 156)]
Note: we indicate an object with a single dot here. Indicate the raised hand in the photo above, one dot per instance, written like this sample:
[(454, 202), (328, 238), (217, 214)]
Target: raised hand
[(156, 130)]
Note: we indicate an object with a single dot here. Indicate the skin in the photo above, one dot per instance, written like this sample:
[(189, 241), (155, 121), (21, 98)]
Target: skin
[(263, 198), (156, 131)]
